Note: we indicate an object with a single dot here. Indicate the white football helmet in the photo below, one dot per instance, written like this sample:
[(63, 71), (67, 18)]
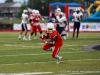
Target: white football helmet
[(50, 27), (33, 11), (77, 9), (58, 10), (25, 11), (37, 12)]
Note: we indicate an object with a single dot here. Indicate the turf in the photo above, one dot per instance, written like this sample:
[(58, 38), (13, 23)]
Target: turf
[(20, 56)]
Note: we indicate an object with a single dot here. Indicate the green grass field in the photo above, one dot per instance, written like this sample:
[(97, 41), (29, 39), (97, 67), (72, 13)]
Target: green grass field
[(18, 21), (20, 57)]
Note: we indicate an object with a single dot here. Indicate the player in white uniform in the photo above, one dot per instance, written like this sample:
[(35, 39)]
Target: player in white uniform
[(24, 25), (77, 17), (62, 25)]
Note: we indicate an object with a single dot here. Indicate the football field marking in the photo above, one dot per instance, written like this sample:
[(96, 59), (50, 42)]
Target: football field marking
[(53, 61), (33, 73), (38, 54)]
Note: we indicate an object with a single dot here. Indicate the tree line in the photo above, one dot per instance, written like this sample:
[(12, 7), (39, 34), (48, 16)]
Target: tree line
[(43, 5)]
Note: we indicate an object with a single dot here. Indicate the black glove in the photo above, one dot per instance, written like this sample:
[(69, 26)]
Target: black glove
[(30, 20)]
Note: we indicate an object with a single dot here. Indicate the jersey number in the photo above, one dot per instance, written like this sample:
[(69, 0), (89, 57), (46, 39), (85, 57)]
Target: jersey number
[(37, 18)]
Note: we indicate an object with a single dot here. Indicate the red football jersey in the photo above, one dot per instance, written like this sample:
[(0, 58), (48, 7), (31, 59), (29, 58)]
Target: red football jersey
[(58, 39), (37, 18)]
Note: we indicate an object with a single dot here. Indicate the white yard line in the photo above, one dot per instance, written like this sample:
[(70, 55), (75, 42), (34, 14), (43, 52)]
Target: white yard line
[(31, 73), (32, 47), (38, 54), (73, 49), (21, 45), (15, 49), (24, 55), (54, 61), (10, 42), (70, 45)]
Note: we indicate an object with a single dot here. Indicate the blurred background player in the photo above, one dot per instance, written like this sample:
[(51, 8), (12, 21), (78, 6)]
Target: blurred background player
[(52, 18), (59, 19), (55, 41), (53, 15), (58, 11), (36, 24), (61, 28), (77, 17), (31, 23), (24, 24)]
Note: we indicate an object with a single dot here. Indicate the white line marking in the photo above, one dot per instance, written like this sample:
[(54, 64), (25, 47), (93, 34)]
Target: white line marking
[(70, 45), (33, 73), (22, 46), (10, 45), (53, 61), (38, 54), (25, 48), (16, 49), (72, 49)]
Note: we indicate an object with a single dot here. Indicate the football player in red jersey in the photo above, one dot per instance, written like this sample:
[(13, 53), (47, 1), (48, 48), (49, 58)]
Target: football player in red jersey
[(31, 24), (36, 23), (55, 41)]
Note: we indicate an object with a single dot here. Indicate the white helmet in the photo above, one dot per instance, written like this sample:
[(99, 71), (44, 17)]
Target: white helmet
[(77, 9), (33, 11), (25, 11), (50, 27), (37, 12), (58, 10)]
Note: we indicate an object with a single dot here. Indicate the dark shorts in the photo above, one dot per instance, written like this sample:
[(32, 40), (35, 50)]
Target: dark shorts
[(24, 27), (59, 29), (76, 26)]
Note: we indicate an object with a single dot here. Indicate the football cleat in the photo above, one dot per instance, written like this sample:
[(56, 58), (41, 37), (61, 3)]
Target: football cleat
[(64, 37), (25, 39), (19, 37), (29, 38), (59, 59)]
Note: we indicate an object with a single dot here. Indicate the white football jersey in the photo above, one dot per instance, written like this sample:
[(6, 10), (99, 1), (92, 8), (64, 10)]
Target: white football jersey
[(81, 13), (77, 15), (57, 17), (24, 18), (61, 21)]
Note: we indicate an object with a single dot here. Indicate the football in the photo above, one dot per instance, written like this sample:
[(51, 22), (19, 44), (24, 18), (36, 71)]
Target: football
[(42, 37)]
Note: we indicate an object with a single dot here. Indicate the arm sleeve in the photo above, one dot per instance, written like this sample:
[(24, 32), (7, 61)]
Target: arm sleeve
[(42, 19)]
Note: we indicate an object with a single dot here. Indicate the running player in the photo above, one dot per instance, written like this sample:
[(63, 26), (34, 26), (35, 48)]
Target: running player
[(36, 23), (55, 41), (77, 17), (31, 24), (62, 23)]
